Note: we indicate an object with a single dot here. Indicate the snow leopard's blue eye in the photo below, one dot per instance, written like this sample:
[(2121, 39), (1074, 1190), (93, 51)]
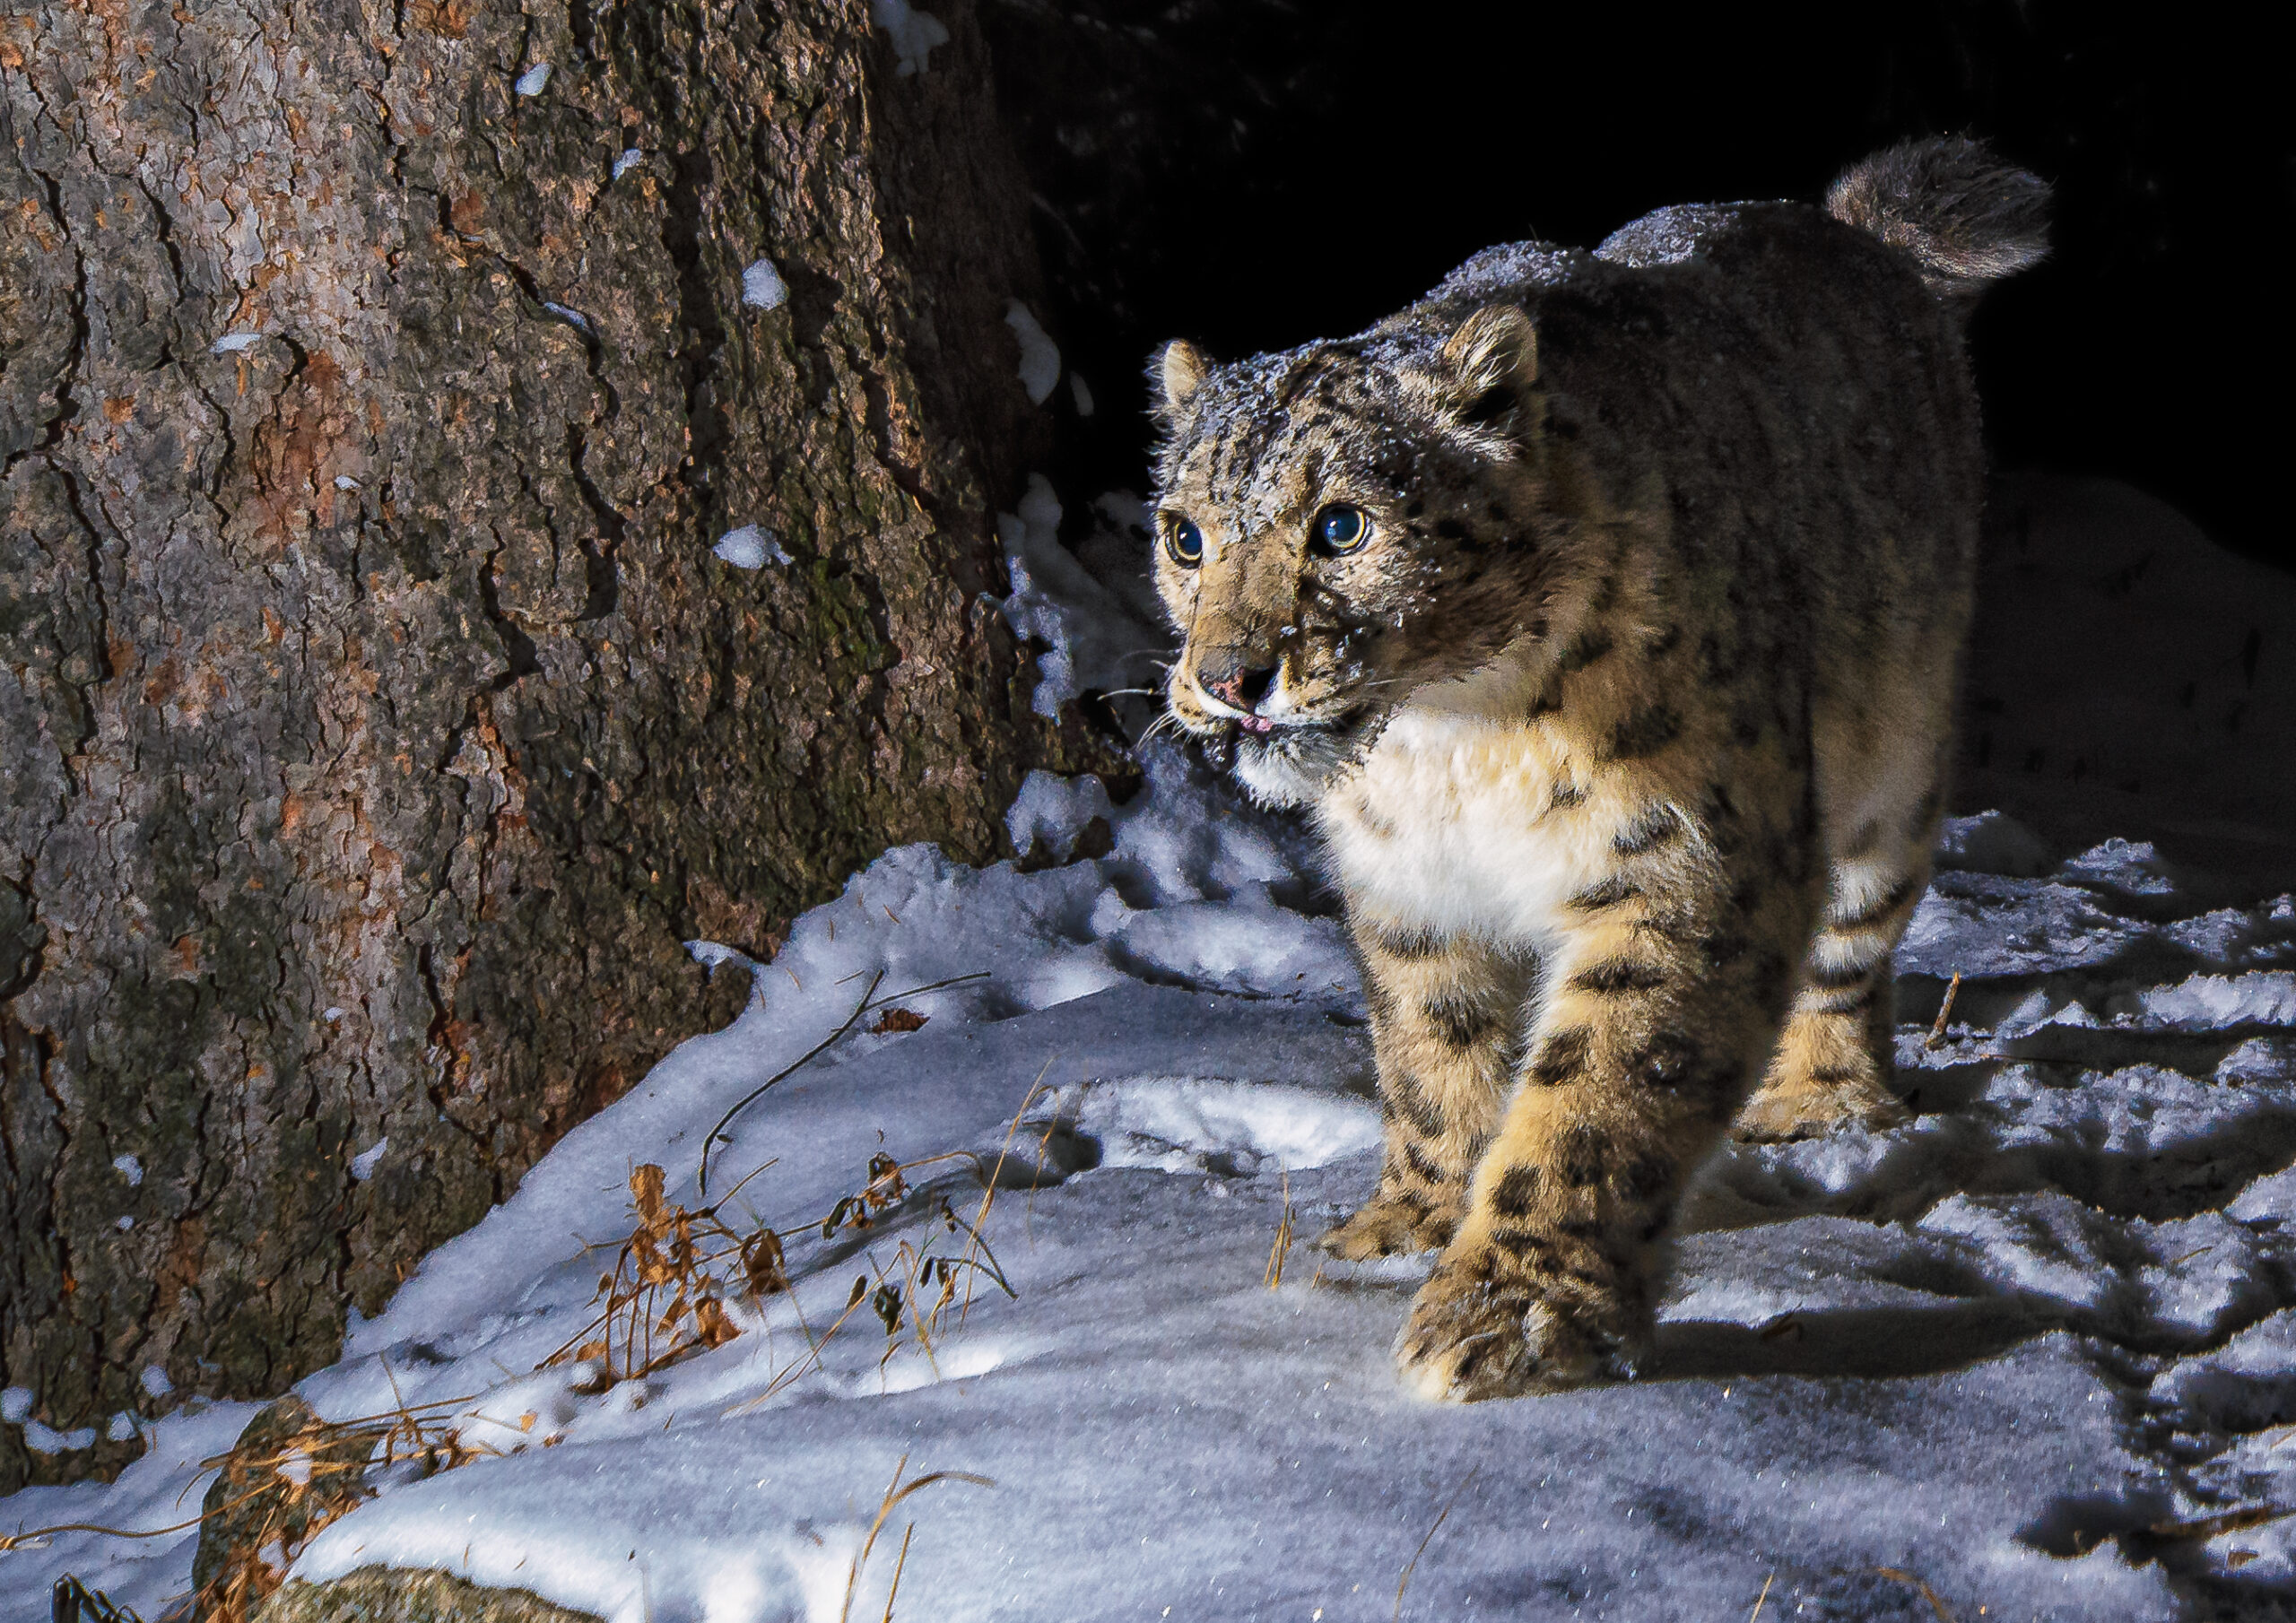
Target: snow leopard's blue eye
[(1185, 542), (1340, 528)]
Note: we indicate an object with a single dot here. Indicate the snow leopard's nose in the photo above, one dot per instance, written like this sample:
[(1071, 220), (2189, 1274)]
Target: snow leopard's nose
[(1234, 682)]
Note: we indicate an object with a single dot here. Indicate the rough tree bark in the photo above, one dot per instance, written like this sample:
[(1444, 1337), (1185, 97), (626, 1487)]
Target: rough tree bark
[(375, 717)]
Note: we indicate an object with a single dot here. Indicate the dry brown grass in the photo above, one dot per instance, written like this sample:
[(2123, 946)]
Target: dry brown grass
[(1403, 1582), (895, 1492), (1282, 1248)]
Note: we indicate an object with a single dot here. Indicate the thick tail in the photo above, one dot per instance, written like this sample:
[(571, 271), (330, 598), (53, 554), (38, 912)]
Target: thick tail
[(1967, 218)]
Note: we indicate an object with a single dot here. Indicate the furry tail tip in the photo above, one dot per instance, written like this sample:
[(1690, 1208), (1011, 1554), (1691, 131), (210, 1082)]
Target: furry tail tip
[(1967, 218)]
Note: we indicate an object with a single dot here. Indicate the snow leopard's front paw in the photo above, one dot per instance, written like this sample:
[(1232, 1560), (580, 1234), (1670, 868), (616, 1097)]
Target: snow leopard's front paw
[(1390, 1226), (1474, 1333)]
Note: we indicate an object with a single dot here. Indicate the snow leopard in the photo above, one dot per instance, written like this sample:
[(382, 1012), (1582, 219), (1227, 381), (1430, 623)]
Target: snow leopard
[(1604, 611)]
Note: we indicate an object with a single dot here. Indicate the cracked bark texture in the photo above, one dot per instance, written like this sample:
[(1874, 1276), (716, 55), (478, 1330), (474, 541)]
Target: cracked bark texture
[(376, 719)]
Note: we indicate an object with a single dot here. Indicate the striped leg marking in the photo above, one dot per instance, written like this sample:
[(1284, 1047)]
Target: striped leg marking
[(1446, 1015), (1835, 1058)]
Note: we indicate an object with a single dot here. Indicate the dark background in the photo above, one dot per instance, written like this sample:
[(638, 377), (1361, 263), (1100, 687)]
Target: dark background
[(1253, 174)]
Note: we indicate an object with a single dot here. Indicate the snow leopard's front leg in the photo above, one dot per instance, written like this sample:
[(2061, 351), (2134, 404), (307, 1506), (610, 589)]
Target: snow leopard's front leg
[(1668, 994), (1447, 1021)]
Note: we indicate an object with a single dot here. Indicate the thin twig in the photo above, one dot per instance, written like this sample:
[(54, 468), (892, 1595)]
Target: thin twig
[(867, 1003)]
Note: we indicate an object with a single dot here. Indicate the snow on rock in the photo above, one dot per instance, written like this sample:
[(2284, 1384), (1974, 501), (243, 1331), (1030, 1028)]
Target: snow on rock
[(914, 34), (232, 343), (749, 548), (1983, 1352), (1039, 356), (533, 81)]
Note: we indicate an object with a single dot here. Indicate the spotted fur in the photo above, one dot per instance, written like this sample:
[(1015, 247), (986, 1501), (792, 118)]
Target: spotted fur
[(1624, 729)]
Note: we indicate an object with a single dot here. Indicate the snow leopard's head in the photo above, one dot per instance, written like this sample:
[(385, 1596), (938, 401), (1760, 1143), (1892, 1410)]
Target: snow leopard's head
[(1341, 526)]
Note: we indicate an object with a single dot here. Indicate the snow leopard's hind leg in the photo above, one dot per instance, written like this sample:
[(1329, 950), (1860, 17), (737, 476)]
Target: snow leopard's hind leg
[(1837, 1055), (1446, 1015)]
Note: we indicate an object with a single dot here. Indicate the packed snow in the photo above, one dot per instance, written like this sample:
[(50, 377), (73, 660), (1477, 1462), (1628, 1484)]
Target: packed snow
[(2032, 1355)]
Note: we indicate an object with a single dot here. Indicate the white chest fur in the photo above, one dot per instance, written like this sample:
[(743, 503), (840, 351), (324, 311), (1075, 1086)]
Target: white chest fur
[(1451, 826)]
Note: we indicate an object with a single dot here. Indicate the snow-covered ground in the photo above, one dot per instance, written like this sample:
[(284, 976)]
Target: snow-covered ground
[(2005, 1362)]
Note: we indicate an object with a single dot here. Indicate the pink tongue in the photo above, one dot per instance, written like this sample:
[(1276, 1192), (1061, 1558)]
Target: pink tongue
[(1253, 724)]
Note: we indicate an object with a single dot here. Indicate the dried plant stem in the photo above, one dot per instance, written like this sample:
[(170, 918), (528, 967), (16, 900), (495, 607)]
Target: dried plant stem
[(1403, 1582), (895, 1492), (1928, 1593), (1937, 1037), (1755, 1616), (1282, 1248), (899, 1568)]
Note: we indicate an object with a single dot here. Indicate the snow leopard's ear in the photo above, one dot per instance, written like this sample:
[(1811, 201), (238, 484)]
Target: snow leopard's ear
[(1488, 359), (1173, 377)]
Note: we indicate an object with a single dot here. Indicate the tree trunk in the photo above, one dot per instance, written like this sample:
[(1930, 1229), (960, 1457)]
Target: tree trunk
[(376, 719)]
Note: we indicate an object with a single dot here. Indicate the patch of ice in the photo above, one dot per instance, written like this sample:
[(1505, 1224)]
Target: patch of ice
[(532, 82), (710, 954), (363, 1164), (154, 1380), (344, 481), (232, 343), (629, 160), (762, 288), (122, 1426), (1039, 356), (914, 34), (130, 1168), (15, 1404), (749, 548)]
